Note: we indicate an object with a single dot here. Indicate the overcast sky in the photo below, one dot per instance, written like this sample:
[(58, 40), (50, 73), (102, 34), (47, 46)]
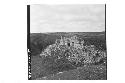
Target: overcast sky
[(67, 18)]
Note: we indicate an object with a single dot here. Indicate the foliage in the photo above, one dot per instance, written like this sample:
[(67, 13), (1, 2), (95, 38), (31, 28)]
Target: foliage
[(74, 50)]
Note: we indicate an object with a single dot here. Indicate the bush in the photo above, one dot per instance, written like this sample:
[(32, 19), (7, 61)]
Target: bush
[(74, 51)]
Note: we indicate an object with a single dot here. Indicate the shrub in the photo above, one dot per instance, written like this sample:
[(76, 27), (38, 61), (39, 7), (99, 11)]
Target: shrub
[(74, 50)]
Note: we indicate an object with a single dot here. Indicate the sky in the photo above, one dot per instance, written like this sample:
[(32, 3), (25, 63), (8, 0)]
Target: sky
[(67, 18)]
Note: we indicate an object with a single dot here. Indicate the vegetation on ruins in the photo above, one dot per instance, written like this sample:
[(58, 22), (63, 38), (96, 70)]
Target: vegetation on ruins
[(74, 51)]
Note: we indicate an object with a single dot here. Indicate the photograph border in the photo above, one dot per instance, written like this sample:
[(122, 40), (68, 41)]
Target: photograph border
[(28, 40)]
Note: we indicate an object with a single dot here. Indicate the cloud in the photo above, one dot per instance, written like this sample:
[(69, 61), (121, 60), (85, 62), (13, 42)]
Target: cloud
[(67, 18)]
